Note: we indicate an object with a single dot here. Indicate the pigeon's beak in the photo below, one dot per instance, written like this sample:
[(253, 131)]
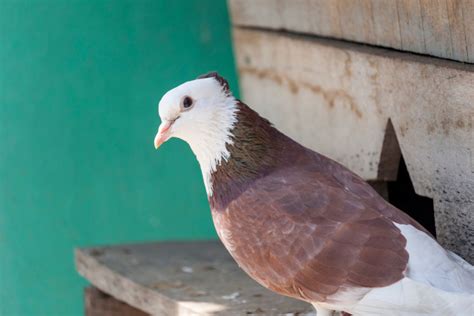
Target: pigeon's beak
[(163, 133)]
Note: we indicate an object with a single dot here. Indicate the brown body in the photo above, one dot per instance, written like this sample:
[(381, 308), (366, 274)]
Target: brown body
[(300, 223)]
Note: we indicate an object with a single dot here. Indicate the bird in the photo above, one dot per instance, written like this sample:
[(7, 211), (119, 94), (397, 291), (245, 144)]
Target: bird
[(303, 225)]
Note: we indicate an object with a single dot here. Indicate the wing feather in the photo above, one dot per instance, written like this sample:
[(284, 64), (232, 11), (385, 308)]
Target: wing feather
[(302, 234)]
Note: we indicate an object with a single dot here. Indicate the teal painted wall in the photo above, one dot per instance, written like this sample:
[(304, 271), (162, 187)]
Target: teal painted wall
[(79, 84)]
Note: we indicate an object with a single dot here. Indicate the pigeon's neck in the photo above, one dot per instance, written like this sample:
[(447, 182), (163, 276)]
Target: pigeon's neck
[(210, 145), (256, 149)]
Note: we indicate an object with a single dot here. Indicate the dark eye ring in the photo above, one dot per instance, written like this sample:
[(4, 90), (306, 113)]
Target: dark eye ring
[(187, 103)]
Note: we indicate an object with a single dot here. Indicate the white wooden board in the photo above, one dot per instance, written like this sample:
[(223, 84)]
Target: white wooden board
[(181, 278), (442, 28)]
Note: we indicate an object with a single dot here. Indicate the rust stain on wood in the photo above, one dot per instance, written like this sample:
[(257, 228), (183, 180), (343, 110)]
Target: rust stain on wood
[(330, 96), (348, 64), (447, 124)]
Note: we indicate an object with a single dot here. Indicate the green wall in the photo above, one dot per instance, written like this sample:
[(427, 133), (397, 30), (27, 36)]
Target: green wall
[(79, 85)]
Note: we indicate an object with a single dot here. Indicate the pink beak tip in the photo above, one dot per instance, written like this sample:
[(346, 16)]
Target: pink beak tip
[(162, 134)]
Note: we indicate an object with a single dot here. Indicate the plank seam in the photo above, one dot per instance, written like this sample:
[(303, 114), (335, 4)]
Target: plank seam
[(335, 41)]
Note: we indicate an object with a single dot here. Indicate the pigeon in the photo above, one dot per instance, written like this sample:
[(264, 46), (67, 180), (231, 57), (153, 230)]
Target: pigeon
[(303, 225)]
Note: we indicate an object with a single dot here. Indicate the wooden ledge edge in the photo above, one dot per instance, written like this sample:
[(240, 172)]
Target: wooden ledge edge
[(123, 289)]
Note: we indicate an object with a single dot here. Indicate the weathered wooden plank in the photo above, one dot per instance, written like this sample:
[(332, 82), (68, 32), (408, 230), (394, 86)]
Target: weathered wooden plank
[(337, 98), (442, 28), (386, 23), (468, 17), (323, 18), (180, 278), (457, 31), (355, 15), (436, 28), (411, 26)]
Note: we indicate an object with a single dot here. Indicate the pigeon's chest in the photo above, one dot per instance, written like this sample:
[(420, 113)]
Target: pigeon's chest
[(255, 242), (246, 229), (233, 231)]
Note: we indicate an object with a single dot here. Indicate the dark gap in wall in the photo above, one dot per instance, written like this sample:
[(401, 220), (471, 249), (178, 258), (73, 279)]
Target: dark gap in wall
[(402, 194)]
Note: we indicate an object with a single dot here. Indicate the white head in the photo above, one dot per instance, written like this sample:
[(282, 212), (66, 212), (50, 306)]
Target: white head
[(201, 112)]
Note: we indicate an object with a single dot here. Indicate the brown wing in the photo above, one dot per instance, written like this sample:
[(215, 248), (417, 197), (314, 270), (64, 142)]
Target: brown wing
[(302, 234)]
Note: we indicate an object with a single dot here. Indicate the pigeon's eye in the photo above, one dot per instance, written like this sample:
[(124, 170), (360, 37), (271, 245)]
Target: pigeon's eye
[(187, 103)]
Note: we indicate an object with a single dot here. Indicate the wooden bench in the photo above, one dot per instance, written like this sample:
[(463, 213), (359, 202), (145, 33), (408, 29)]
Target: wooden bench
[(174, 278)]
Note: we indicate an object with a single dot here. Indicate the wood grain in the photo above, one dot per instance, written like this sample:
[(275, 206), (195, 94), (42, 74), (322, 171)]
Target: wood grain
[(468, 17), (411, 26), (455, 10), (436, 28), (442, 28)]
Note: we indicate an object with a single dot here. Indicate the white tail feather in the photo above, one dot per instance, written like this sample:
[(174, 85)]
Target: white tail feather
[(437, 282)]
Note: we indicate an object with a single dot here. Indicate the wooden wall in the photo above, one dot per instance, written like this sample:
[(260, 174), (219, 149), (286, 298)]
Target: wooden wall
[(365, 105), (442, 28)]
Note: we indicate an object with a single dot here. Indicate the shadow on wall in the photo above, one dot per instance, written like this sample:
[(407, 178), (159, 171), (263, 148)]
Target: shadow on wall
[(401, 193)]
